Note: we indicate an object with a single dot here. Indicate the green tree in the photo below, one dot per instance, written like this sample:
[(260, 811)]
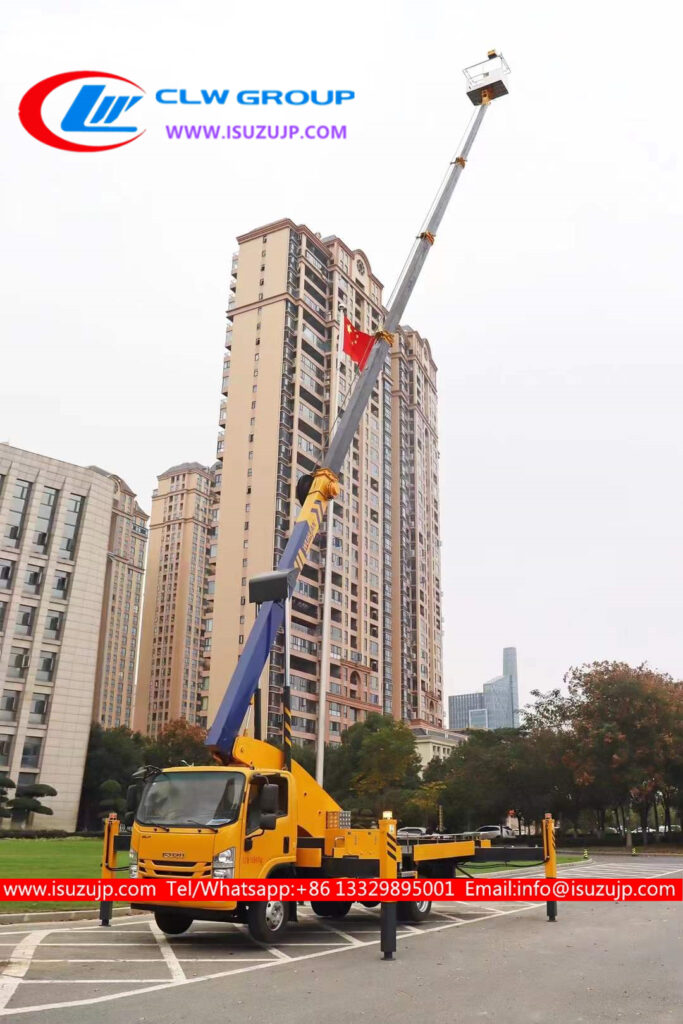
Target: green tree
[(111, 798), (5, 785), (27, 801), (375, 767), (113, 754)]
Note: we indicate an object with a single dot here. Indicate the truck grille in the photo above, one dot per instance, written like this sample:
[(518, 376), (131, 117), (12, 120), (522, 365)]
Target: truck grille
[(174, 869)]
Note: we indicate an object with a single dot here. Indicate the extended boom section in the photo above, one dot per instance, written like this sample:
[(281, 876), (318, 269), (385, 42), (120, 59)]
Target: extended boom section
[(269, 620)]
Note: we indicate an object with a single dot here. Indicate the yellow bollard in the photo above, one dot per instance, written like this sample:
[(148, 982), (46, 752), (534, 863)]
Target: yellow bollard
[(550, 858)]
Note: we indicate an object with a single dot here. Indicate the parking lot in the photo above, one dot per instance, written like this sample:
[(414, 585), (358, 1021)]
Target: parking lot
[(73, 967)]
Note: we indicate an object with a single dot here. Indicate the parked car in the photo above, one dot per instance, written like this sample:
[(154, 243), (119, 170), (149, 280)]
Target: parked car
[(411, 832), (495, 832)]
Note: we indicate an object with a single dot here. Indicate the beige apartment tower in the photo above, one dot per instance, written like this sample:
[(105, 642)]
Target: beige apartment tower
[(284, 383), (169, 669), (121, 609), (56, 525)]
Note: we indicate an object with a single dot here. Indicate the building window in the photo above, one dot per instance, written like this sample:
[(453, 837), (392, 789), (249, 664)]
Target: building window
[(17, 513), (9, 705), (6, 573), (74, 512), (47, 663), (25, 617), (30, 757), (53, 625), (18, 663), (33, 579), (40, 705), (60, 588), (5, 749), (45, 519), (3, 610)]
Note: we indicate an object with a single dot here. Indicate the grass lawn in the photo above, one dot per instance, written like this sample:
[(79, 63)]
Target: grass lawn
[(49, 858), (480, 869)]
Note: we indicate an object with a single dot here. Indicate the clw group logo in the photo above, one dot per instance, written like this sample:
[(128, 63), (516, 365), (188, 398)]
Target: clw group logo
[(83, 111)]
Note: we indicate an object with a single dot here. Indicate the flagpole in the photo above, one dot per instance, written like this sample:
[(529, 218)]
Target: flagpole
[(326, 639)]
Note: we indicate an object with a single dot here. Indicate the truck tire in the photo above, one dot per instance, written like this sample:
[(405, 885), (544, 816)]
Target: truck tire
[(171, 923), (331, 909), (267, 920), (371, 905), (416, 910)]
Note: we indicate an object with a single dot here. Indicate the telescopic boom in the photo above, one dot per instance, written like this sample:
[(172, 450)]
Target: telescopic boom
[(485, 82)]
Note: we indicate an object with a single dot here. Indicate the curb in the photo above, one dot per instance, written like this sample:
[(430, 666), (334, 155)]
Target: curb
[(38, 916)]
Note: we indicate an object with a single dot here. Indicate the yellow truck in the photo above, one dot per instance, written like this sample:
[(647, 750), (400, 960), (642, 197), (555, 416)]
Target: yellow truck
[(242, 821)]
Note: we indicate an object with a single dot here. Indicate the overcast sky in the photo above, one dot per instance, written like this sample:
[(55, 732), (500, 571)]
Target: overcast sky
[(551, 299)]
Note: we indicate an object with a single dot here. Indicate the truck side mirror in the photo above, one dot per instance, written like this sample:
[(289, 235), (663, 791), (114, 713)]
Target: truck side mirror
[(132, 798), (268, 821), (270, 799), (129, 818)]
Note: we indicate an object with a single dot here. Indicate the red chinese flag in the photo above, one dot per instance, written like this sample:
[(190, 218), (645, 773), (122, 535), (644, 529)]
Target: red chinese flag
[(356, 344)]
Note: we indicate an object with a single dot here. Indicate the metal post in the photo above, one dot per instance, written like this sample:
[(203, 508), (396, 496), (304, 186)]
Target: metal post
[(111, 829), (550, 858), (287, 689), (387, 930)]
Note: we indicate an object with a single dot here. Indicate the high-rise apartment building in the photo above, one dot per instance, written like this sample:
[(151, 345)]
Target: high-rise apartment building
[(496, 706), (170, 664), (121, 609), (56, 524), (416, 549), (285, 381)]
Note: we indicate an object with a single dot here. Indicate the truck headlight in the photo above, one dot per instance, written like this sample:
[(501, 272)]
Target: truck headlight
[(223, 865), (133, 863)]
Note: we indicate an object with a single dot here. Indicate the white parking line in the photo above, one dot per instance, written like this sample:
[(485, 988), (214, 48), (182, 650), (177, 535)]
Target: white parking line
[(19, 963), (166, 950)]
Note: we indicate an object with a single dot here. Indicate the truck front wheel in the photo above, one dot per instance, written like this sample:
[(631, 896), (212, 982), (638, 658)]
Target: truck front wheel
[(170, 923), (267, 921)]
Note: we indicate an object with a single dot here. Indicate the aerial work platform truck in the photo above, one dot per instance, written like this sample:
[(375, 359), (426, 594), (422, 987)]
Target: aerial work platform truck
[(256, 813)]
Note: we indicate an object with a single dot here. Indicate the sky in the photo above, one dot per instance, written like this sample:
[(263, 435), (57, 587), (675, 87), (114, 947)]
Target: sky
[(551, 299)]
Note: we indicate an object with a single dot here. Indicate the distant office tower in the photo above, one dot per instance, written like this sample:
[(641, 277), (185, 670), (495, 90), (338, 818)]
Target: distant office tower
[(169, 669), (121, 609), (284, 383), (416, 547), (495, 707), (58, 538)]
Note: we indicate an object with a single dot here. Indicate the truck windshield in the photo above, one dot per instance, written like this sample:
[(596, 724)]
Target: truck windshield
[(177, 799)]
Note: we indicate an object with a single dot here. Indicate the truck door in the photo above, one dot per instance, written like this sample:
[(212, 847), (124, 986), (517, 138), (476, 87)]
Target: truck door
[(263, 849)]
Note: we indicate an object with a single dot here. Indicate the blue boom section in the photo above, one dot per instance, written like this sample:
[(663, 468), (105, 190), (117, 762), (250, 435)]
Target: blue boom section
[(245, 678)]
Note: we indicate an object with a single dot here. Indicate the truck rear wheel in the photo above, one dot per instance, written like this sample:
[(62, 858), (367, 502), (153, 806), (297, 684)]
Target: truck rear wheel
[(416, 910), (267, 921), (170, 923), (330, 909)]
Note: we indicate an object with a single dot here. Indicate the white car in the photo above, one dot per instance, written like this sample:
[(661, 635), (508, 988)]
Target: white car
[(495, 832), (411, 832)]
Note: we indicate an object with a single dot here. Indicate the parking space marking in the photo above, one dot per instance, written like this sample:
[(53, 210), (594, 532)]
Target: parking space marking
[(276, 961), (19, 963), (167, 952)]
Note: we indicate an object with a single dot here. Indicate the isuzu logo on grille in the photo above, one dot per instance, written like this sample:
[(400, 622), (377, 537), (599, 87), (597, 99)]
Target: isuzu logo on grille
[(175, 856)]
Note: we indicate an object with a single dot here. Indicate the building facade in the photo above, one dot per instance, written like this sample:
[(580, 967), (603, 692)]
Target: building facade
[(171, 647), (285, 382), (55, 528), (431, 743), (416, 548), (496, 706), (121, 609)]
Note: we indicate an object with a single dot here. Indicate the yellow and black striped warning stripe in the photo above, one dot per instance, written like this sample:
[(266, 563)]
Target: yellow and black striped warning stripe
[(392, 848), (287, 726)]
